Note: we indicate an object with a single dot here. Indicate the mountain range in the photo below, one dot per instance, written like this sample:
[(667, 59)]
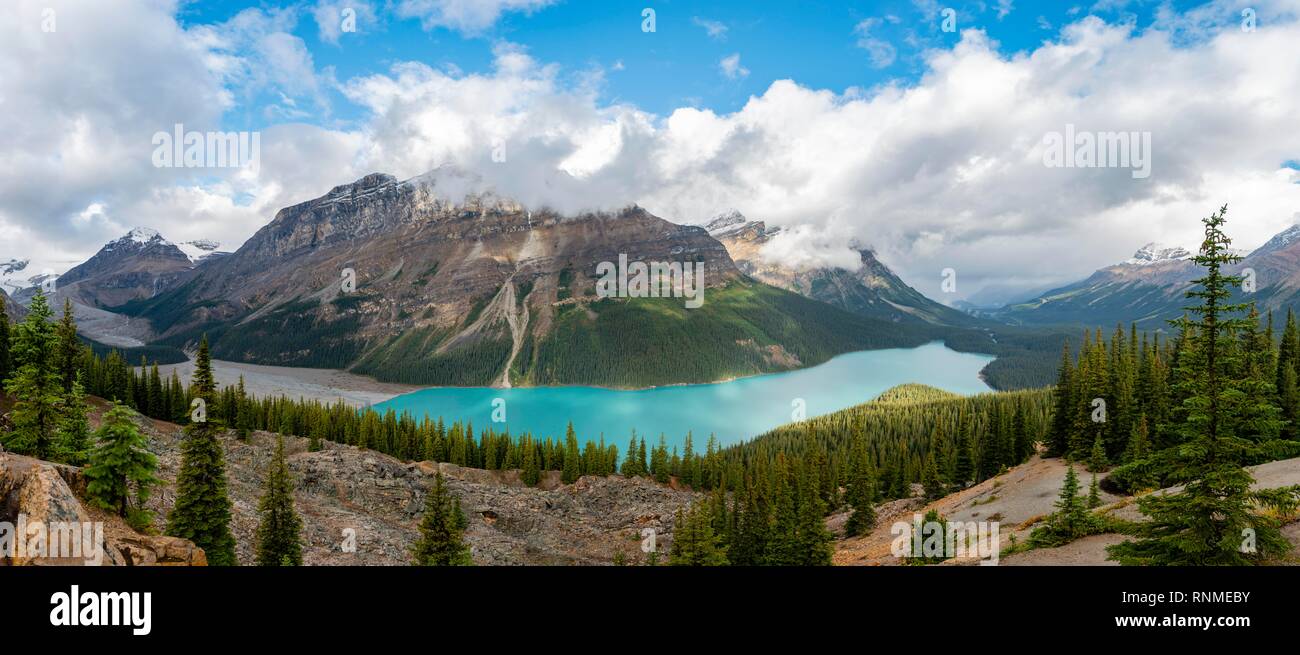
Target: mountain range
[(453, 284), (1149, 288), (437, 280)]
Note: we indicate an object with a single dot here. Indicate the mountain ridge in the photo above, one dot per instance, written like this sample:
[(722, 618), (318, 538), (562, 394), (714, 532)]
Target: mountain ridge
[(872, 290), (1149, 288), (457, 285)]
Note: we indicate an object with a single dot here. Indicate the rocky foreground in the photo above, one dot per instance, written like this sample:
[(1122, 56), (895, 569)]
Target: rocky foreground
[(360, 507), (1018, 500)]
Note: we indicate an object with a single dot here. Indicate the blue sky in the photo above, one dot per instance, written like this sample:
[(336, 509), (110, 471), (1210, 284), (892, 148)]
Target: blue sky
[(843, 123), (819, 43)]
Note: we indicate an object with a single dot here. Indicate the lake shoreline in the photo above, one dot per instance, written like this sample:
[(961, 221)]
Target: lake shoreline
[(732, 411), (357, 390)]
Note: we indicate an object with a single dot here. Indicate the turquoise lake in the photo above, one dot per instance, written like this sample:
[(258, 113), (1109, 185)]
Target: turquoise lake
[(734, 411)]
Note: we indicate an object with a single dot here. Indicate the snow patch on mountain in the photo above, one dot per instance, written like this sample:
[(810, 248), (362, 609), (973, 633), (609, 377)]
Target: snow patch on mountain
[(1153, 253), (1280, 241), (200, 249), (143, 235)]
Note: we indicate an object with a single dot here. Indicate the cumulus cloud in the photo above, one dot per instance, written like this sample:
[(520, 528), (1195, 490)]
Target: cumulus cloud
[(731, 67), (945, 172), (81, 105), (468, 16), (806, 246)]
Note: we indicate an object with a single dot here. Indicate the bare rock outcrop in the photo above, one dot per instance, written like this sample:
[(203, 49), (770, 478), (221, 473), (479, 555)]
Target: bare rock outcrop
[(360, 507), (44, 523)]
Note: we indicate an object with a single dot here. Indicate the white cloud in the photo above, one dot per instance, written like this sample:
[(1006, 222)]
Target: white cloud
[(944, 172), (468, 16), (1004, 8), (881, 52), (731, 67), (806, 246), (715, 29)]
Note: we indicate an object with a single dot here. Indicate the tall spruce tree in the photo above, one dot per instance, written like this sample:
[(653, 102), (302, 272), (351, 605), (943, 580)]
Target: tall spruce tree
[(34, 383), (68, 349), (930, 482), (1213, 520), (861, 490), (1058, 440), (73, 439), (572, 464), (279, 540), (202, 510), (442, 530)]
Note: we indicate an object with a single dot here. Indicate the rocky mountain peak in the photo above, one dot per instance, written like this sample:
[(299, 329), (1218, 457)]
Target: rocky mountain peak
[(1280, 241), (726, 219), (1153, 252), (733, 224)]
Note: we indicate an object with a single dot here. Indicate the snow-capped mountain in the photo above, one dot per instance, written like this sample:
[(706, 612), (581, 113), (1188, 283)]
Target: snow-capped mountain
[(139, 265), (1280, 241), (872, 290), (1149, 287), (1154, 252)]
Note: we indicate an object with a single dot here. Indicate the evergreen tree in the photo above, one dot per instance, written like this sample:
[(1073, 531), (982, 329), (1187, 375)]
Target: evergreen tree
[(532, 473), (68, 349), (1139, 445), (695, 542), (1097, 461), (73, 441), (1070, 521), (35, 383), (1022, 442), (279, 529), (861, 490), (933, 486), (572, 469), (442, 529), (1058, 441), (120, 461), (814, 540), (965, 466), (1206, 523), (202, 384), (1094, 493), (202, 510)]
